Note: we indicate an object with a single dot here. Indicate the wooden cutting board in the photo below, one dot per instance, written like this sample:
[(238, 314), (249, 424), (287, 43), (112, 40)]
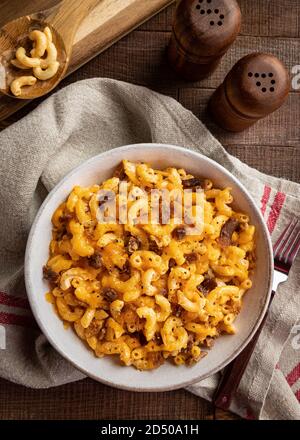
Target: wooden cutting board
[(109, 21)]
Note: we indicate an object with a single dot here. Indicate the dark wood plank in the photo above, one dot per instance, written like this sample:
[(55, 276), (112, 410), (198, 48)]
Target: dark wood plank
[(107, 23), (287, 50), (225, 415), (260, 18), (280, 128), (141, 58), (90, 400), (138, 58), (81, 74), (271, 18), (127, 60), (282, 162), (161, 22), (11, 9)]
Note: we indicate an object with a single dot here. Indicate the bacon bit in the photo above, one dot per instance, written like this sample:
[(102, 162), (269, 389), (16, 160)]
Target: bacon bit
[(236, 307), (191, 258), (208, 342), (157, 339), (50, 275), (153, 247), (93, 329), (251, 256), (120, 172), (109, 294), (66, 217), (95, 260), (107, 198), (155, 358), (207, 286), (163, 292), (192, 183), (226, 232), (60, 233), (179, 233), (190, 360), (126, 268), (172, 263), (132, 244), (89, 234), (101, 335), (190, 343), (177, 310), (140, 337)]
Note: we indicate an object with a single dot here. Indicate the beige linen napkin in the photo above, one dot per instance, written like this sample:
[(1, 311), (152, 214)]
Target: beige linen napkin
[(77, 123)]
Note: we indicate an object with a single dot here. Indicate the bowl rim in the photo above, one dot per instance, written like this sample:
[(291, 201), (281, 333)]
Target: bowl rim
[(34, 304)]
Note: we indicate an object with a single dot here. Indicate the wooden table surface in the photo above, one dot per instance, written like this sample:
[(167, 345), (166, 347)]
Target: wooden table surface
[(272, 146)]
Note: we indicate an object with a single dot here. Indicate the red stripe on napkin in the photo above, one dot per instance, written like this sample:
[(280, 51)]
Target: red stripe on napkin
[(14, 301), (265, 199), (275, 210), (297, 394), (12, 319), (294, 375)]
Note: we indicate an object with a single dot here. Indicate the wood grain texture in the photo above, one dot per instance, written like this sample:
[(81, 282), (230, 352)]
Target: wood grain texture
[(64, 20), (153, 44), (132, 12), (10, 9), (272, 18), (141, 57), (224, 415), (106, 24), (194, 52), (279, 161), (90, 400), (260, 17), (279, 128)]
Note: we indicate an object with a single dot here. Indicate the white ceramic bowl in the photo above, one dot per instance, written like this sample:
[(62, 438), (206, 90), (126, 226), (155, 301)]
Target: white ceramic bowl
[(106, 370)]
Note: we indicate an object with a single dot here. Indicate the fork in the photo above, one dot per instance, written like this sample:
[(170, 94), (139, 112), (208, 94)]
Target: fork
[(285, 251)]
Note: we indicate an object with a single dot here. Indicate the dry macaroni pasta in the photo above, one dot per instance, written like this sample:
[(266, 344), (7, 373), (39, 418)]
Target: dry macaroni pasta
[(149, 292), (42, 61)]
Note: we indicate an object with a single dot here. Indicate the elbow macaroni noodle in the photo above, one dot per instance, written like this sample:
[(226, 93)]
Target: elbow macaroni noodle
[(42, 68), (49, 72), (21, 81), (148, 292)]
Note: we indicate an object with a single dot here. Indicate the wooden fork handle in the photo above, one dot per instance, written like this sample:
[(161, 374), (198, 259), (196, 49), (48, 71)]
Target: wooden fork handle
[(234, 372)]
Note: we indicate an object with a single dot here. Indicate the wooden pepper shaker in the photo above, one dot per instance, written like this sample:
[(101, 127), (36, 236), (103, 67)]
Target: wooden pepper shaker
[(203, 30), (256, 86)]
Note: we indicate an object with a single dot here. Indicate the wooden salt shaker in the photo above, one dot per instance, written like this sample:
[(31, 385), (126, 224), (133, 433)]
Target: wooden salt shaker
[(203, 30), (256, 86)]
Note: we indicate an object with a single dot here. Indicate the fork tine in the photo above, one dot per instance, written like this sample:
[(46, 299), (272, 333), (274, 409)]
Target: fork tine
[(294, 254), (293, 249), (288, 244), (283, 238)]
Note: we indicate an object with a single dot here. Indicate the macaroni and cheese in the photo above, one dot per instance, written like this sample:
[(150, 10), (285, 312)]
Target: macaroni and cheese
[(149, 291)]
